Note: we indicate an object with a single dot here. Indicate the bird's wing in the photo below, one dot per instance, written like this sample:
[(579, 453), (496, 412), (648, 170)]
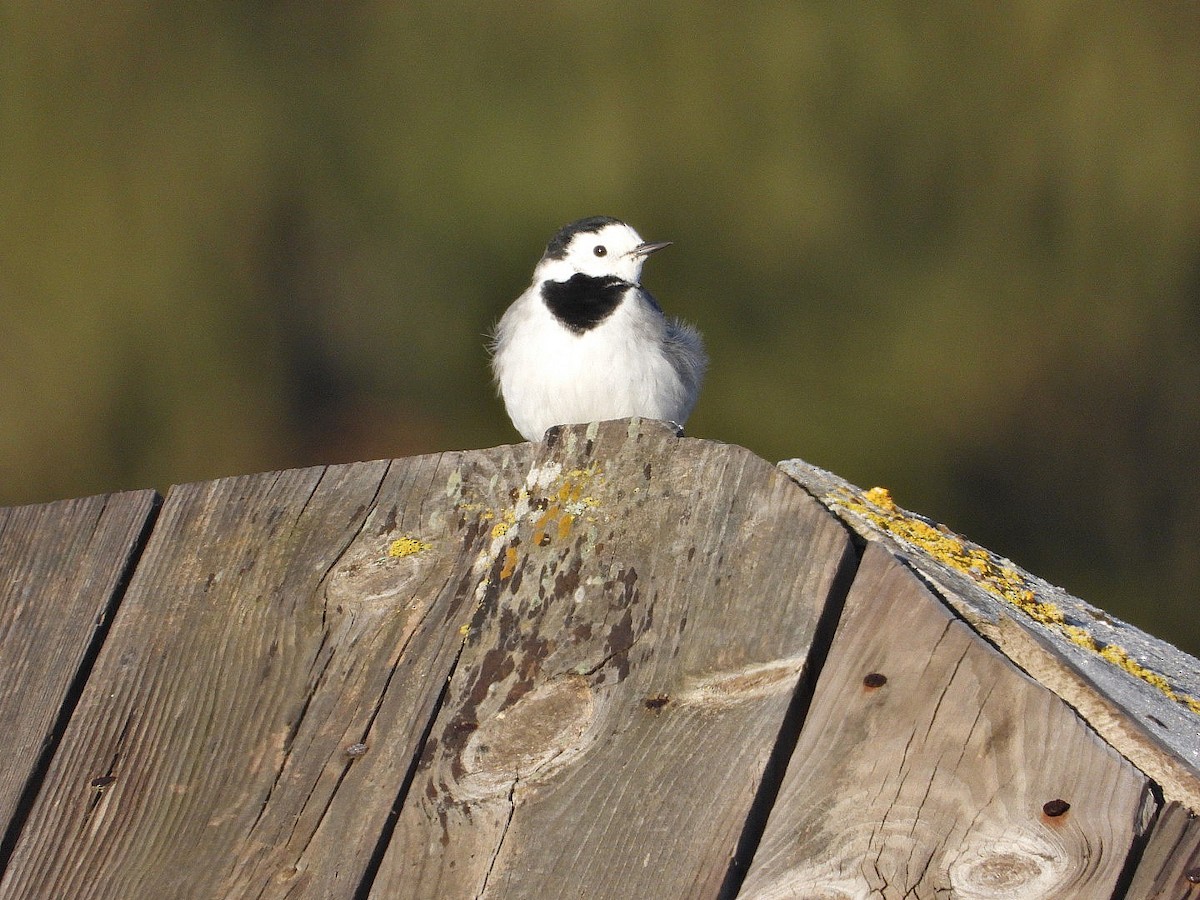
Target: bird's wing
[(685, 349)]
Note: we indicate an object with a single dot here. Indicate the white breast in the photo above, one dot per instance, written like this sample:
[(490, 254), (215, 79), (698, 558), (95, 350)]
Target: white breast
[(551, 376)]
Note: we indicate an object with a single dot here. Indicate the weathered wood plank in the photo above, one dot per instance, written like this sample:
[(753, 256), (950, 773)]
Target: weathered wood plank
[(645, 625), (267, 630), (61, 565), (1141, 694), (1170, 866), (929, 765)]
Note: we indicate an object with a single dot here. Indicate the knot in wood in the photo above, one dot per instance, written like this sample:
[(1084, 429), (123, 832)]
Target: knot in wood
[(365, 576), (1004, 873), (539, 733), (749, 684)]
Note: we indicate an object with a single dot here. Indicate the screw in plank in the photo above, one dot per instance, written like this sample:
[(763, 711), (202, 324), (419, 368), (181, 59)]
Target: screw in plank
[(875, 680), (1055, 808)]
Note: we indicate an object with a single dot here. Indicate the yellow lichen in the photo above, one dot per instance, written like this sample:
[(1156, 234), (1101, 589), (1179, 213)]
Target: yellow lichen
[(510, 563), (1119, 656), (881, 497), (878, 507), (553, 513), (1040, 611), (408, 546), (564, 525), (979, 564), (1080, 636), (566, 500), (576, 507)]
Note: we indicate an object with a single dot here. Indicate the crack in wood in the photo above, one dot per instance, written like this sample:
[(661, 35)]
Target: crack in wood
[(36, 779), (512, 808), (367, 510), (790, 729), (293, 730), (486, 559), (983, 705), (587, 673), (375, 709), (107, 778), (371, 870)]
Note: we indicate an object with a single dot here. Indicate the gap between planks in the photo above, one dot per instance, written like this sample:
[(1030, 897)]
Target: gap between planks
[(37, 774)]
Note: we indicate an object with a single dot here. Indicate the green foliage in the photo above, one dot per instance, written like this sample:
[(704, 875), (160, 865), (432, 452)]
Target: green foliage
[(951, 249)]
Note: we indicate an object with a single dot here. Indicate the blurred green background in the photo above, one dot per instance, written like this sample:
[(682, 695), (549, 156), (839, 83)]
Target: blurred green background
[(949, 248)]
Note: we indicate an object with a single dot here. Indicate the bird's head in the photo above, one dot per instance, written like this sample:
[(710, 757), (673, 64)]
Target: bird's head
[(598, 247)]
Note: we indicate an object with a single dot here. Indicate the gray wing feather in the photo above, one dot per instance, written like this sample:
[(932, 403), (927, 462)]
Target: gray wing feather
[(685, 349)]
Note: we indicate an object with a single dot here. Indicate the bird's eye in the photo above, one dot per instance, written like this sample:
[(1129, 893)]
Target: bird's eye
[(600, 250)]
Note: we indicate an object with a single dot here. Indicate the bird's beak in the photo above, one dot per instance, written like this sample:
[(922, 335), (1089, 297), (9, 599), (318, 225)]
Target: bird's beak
[(649, 247)]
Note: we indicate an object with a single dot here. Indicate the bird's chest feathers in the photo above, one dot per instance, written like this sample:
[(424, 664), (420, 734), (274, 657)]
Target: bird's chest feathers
[(621, 347), (583, 301)]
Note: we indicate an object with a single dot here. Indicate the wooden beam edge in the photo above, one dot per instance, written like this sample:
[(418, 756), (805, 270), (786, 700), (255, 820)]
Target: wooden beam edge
[(1098, 664)]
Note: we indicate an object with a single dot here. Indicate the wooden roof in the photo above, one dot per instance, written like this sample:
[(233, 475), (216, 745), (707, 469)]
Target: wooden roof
[(616, 663)]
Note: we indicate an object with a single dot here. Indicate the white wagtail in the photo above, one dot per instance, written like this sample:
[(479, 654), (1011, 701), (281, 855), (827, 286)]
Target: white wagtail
[(586, 342)]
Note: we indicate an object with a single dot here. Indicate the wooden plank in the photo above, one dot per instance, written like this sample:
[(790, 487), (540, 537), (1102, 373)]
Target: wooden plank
[(272, 627), (61, 566), (929, 765), (1170, 866), (1141, 694), (646, 623)]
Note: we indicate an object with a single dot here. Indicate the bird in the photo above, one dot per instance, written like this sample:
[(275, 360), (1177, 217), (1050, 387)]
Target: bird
[(586, 342)]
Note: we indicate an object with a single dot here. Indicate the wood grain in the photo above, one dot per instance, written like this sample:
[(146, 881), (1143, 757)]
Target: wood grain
[(568, 669), (268, 632), (644, 628), (1138, 692), (1170, 865), (926, 765), (61, 566)]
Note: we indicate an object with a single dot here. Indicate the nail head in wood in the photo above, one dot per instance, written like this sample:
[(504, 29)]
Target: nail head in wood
[(1055, 808)]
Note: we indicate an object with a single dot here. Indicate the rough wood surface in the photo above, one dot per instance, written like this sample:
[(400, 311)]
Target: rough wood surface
[(576, 668), (61, 565), (929, 766), (267, 632), (640, 639), (1140, 693), (1170, 866)]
